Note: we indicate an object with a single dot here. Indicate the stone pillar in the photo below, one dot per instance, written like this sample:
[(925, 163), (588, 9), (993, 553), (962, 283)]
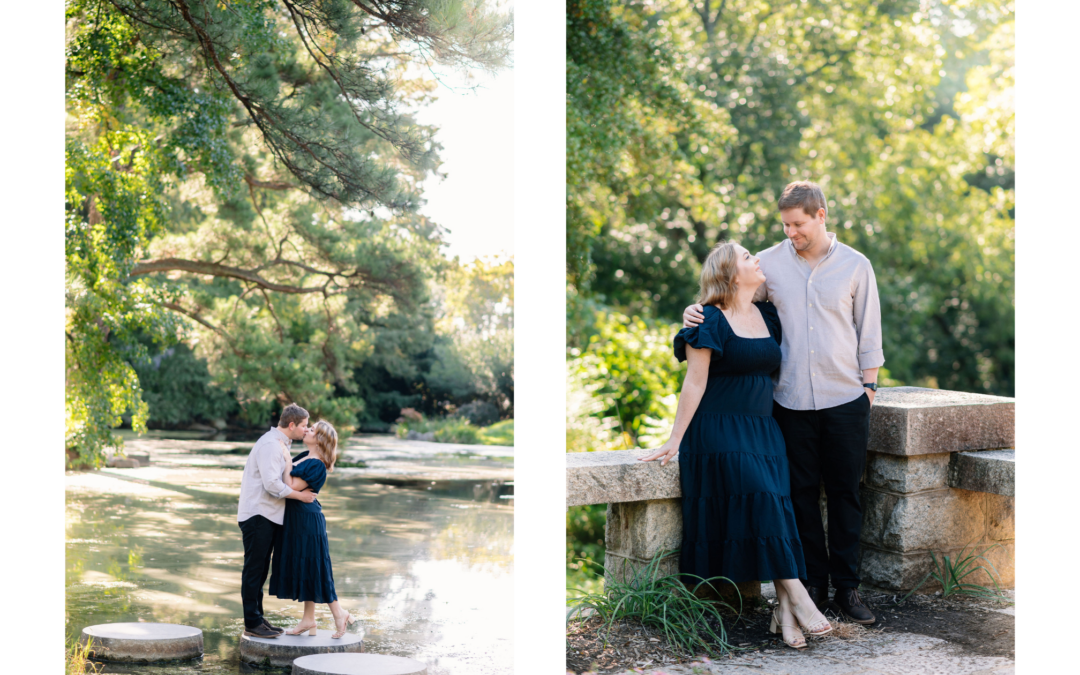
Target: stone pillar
[(637, 531), (911, 503)]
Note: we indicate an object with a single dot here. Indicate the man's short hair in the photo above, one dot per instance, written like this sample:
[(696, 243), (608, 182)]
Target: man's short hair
[(803, 194), (292, 414)]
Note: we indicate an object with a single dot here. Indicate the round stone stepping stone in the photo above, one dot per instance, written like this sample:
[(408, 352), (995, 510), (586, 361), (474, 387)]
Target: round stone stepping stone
[(143, 642), (357, 664), (283, 650)]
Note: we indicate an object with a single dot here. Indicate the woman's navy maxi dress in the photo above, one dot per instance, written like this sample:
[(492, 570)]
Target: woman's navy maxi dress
[(302, 568), (736, 493)]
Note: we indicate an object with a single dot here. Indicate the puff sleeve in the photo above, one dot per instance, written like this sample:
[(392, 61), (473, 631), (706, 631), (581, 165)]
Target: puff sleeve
[(772, 319), (707, 335), (312, 470)]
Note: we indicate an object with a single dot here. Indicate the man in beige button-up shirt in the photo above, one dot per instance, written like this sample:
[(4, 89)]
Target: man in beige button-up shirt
[(826, 295), (262, 510)]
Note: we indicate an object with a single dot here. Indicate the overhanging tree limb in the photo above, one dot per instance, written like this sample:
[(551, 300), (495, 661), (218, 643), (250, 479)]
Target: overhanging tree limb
[(216, 270)]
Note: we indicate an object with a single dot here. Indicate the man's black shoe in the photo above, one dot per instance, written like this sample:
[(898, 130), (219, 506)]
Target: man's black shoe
[(820, 596), (849, 602), (261, 631), (272, 627)]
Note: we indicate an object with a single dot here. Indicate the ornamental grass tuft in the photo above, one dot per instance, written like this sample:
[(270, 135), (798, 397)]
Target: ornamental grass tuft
[(691, 623), (951, 574)]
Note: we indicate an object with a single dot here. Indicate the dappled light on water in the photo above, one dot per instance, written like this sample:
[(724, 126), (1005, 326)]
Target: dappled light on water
[(429, 572)]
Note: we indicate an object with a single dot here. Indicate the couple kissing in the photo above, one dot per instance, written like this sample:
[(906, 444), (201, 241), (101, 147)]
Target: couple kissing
[(283, 526)]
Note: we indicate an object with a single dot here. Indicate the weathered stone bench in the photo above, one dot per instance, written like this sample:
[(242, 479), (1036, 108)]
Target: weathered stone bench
[(939, 476)]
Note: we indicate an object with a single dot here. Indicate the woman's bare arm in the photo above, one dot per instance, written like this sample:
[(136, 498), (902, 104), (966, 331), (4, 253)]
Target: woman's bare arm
[(697, 376)]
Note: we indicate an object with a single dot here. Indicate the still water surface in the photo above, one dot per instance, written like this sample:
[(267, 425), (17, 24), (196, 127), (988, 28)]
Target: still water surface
[(426, 566)]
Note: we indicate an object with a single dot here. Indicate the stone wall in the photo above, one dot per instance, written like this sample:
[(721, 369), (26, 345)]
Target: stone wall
[(936, 480)]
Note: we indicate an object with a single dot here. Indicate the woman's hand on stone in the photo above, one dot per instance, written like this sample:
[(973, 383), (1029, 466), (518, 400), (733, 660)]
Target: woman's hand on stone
[(664, 453)]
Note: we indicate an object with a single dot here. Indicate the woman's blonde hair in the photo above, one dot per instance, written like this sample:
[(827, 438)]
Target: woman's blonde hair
[(718, 276), (326, 439)]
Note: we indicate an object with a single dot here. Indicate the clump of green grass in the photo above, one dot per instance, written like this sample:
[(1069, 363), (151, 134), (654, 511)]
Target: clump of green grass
[(666, 603), (78, 657), (951, 574)]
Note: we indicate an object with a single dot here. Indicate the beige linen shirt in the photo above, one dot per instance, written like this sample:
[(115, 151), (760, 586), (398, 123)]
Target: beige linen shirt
[(262, 488), (831, 322)]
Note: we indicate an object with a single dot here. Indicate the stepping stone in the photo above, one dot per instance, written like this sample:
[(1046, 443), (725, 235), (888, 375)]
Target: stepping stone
[(357, 664), (283, 650), (143, 642)]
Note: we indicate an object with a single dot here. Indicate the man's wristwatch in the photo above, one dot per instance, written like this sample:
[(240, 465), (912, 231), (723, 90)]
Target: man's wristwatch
[(872, 386)]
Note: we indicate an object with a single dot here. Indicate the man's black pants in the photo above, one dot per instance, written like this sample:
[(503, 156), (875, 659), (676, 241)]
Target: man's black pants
[(259, 537), (828, 445)]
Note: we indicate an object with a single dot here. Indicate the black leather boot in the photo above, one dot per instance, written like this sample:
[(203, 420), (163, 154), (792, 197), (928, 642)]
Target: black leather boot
[(849, 602), (820, 596)]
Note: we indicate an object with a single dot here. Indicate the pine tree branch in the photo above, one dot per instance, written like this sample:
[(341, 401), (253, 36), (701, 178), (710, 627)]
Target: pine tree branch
[(216, 270)]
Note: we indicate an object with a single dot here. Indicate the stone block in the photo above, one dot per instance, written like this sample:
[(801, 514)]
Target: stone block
[(992, 471), (640, 530), (357, 664), (143, 642), (931, 520), (917, 421), (614, 476), (1000, 517), (619, 567), (904, 474), (877, 507), (280, 652), (896, 571)]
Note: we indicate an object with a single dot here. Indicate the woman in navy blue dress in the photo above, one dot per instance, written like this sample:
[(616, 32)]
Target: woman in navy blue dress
[(738, 521), (302, 570)]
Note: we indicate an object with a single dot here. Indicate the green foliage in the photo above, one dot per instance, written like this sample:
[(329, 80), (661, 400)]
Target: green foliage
[(458, 430), (78, 658), (691, 623), (951, 574), (685, 122), (585, 549), (243, 177), (628, 370), (179, 390), (500, 433)]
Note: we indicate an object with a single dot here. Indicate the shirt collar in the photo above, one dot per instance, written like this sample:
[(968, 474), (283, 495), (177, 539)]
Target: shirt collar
[(832, 245), (286, 439)]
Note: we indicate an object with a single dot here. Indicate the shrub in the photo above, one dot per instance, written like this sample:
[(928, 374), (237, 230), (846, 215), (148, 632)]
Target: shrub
[(479, 413), (455, 430)]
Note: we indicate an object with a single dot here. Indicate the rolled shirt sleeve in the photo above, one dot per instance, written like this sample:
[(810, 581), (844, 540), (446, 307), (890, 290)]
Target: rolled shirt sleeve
[(271, 461), (866, 308)]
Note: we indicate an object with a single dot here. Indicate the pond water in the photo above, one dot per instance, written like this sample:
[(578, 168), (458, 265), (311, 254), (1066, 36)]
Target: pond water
[(425, 565)]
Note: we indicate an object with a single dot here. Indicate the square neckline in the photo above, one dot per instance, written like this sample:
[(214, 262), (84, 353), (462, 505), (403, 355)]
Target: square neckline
[(732, 328)]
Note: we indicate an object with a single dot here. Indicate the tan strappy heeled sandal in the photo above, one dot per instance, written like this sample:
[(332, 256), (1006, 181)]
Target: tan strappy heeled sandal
[(314, 630), (820, 631), (349, 620), (776, 627)]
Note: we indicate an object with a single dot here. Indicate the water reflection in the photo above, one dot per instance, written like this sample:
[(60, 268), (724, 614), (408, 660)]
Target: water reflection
[(428, 569)]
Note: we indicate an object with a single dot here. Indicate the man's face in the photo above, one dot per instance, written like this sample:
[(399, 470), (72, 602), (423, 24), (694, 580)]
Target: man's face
[(297, 431), (804, 231)]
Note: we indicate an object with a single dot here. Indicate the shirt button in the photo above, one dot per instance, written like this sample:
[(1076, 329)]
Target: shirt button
[(811, 328), (811, 304)]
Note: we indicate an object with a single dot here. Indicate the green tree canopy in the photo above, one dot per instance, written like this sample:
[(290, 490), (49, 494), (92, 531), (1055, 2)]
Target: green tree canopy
[(249, 171), (901, 110)]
